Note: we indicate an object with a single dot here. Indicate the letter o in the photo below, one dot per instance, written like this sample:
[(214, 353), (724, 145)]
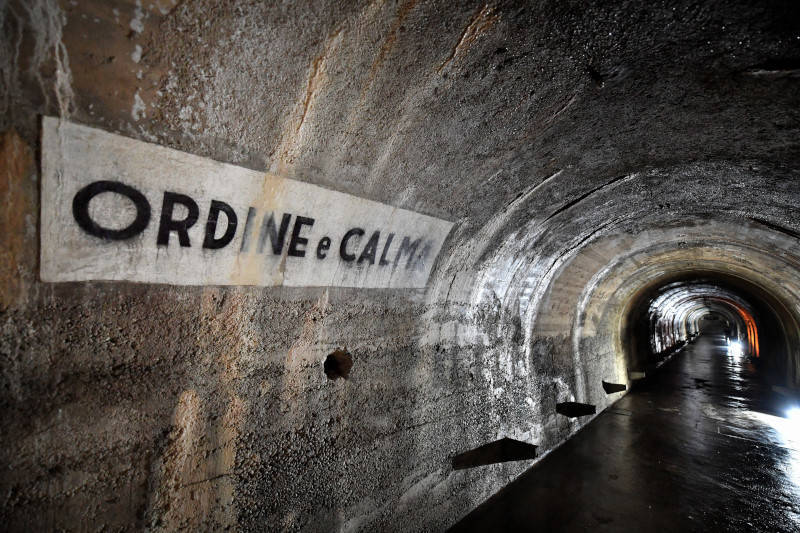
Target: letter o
[(80, 210)]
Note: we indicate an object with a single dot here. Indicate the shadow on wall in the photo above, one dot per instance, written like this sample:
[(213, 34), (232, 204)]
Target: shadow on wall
[(499, 451)]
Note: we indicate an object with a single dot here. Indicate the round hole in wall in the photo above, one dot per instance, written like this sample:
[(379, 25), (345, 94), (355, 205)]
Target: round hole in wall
[(338, 364)]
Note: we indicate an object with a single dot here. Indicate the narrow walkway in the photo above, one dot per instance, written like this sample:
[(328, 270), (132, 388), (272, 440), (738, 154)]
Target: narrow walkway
[(700, 449)]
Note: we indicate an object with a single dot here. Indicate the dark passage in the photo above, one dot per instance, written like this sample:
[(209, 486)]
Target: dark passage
[(704, 446)]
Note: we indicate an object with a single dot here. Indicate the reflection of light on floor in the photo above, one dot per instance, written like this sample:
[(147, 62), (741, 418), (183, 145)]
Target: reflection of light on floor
[(793, 417), (788, 432), (735, 349)]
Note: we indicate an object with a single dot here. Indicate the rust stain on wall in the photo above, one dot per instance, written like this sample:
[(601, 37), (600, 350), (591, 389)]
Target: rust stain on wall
[(317, 78), (16, 255), (387, 45), (313, 328), (250, 266), (480, 24), (226, 313), (179, 502), (197, 467)]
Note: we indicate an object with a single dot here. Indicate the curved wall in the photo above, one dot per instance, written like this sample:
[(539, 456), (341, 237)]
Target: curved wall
[(585, 153)]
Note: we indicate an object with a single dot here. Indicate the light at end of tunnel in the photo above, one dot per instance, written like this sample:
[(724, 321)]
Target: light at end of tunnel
[(735, 349)]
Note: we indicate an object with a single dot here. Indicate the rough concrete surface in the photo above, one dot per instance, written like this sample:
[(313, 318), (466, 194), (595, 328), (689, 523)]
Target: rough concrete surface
[(571, 145)]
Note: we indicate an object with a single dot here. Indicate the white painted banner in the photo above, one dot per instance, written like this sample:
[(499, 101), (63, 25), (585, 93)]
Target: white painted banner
[(115, 208)]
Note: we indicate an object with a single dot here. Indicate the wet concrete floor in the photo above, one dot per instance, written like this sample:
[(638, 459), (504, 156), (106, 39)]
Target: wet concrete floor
[(703, 446)]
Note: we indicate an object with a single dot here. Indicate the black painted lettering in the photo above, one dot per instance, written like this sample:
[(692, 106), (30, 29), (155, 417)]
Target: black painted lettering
[(80, 210), (211, 242), (297, 240), (408, 247), (419, 262), (343, 246), (383, 261), (322, 247), (276, 236), (181, 227), (248, 228), (368, 254)]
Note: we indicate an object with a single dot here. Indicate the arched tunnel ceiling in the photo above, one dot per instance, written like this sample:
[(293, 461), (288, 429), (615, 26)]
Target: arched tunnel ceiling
[(459, 110), (586, 154)]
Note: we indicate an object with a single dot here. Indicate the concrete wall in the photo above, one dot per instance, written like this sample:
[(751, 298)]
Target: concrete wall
[(561, 140)]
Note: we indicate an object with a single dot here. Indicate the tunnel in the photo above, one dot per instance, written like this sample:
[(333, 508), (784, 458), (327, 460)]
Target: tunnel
[(399, 265), (667, 317)]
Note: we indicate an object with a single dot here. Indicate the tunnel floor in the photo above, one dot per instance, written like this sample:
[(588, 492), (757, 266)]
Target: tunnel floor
[(700, 447)]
